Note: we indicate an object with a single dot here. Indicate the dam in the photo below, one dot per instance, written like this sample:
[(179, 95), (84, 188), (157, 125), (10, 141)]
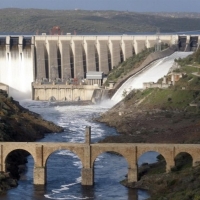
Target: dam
[(45, 66)]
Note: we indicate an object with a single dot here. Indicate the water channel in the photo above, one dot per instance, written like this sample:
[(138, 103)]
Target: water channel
[(64, 167)]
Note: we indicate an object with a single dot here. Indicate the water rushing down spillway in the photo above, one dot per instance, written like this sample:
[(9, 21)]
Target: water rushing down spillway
[(16, 71), (151, 73)]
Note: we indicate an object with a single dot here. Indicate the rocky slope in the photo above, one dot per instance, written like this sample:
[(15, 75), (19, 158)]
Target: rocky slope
[(149, 116), (19, 124), (161, 115)]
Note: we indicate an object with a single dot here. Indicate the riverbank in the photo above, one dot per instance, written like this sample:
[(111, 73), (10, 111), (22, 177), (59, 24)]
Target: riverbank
[(160, 127), (155, 115), (19, 124), (176, 185), (155, 126)]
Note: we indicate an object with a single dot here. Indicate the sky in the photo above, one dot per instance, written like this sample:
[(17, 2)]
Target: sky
[(123, 5)]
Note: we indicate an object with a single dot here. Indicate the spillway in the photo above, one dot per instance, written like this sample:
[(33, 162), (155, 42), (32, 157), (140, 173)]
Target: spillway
[(16, 68), (60, 59), (152, 73)]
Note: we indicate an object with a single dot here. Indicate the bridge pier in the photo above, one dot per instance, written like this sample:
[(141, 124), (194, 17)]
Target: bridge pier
[(1, 158), (87, 176), (169, 166), (195, 162), (133, 174), (39, 176), (87, 172)]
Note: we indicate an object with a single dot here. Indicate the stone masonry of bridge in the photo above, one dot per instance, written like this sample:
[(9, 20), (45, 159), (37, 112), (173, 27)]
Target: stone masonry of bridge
[(88, 152)]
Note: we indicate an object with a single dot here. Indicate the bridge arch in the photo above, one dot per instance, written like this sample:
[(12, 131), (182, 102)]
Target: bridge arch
[(10, 148), (146, 162), (153, 156), (102, 166), (107, 151), (166, 152), (128, 152), (139, 155), (50, 151), (191, 150), (182, 160), (12, 165), (62, 162)]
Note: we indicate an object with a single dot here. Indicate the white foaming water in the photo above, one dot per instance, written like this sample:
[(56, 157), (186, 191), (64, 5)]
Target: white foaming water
[(66, 116), (151, 73), (16, 71), (64, 167), (69, 153)]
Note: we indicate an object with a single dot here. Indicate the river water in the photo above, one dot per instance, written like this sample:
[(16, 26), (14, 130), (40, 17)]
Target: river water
[(64, 167)]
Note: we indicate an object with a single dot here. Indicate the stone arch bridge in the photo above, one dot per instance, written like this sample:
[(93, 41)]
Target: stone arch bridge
[(88, 152)]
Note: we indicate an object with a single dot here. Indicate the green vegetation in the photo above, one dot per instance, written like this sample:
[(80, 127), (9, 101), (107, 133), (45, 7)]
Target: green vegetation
[(14, 20), (179, 185), (165, 99), (125, 67), (193, 59), (176, 97)]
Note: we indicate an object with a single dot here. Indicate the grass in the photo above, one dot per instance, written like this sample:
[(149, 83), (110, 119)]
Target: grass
[(164, 98), (176, 97), (125, 67)]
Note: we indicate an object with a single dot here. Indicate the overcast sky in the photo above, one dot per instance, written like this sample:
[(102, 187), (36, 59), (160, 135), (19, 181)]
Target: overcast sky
[(130, 5)]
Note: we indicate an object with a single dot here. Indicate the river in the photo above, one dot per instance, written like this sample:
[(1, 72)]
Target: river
[(64, 167)]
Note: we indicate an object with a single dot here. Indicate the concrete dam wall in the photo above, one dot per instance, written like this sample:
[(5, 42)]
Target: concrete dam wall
[(63, 92), (55, 59)]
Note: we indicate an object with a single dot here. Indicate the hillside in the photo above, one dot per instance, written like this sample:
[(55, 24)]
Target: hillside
[(169, 115), (161, 115), (176, 185), (28, 21), (19, 124)]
